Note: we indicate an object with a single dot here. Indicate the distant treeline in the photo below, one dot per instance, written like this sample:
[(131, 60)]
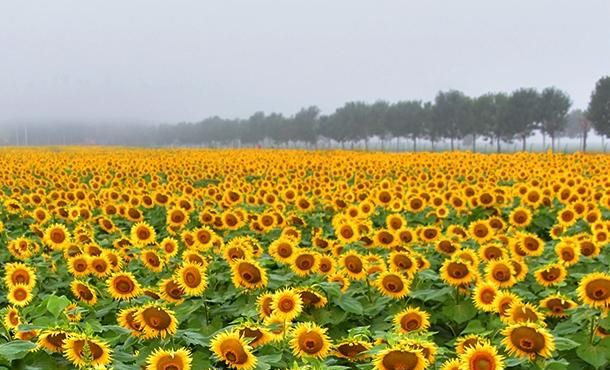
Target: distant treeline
[(451, 117)]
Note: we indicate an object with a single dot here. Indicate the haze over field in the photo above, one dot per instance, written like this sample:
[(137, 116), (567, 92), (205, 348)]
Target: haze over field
[(159, 61)]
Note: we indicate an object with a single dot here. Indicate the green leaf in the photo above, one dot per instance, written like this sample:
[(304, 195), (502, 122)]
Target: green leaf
[(56, 305), (556, 364), (16, 350), (565, 344), (460, 312), (474, 326), (350, 304), (593, 355)]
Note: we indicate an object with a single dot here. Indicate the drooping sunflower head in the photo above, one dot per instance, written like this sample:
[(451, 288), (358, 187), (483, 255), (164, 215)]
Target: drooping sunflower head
[(528, 340), (309, 340), (312, 298), (352, 349), (123, 286), (248, 274), (52, 339), (412, 319), (556, 305), (462, 344), (255, 335), (156, 321), (83, 350), (162, 359), (594, 290), (231, 348), (263, 303)]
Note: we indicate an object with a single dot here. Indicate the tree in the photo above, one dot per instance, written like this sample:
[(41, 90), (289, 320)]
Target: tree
[(598, 111), (553, 109), (451, 112), (305, 124), (522, 114), (406, 118)]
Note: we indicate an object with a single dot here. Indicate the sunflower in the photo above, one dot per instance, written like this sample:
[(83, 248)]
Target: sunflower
[(162, 359), (256, 335), (347, 232), (169, 246), (177, 217), (19, 295), (484, 295), (523, 312), (447, 246), (594, 290), (19, 274), (531, 244), (326, 265), (503, 301), (400, 357), (352, 349), (126, 318), (305, 263), (151, 260), (83, 292), (52, 340), (56, 236), (456, 272), (567, 217), (156, 321), (286, 304), (248, 274), (231, 348), (263, 303), (412, 319), (353, 265), (142, 234), (123, 286), (72, 312), (462, 344), (402, 262), (309, 340), (568, 253), (501, 273), (528, 340), (451, 364), (83, 350), (393, 285), (12, 319), (482, 357), (556, 305), (312, 298), (26, 335), (520, 217), (551, 274), (480, 231), (170, 290), (100, 266), (492, 251)]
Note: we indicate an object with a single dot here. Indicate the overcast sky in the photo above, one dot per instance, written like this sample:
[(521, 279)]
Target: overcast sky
[(168, 61)]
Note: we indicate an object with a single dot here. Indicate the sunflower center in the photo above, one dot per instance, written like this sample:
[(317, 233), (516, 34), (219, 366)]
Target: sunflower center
[(143, 234), (21, 294), (58, 236), (124, 286), (286, 305), (400, 360), (598, 289)]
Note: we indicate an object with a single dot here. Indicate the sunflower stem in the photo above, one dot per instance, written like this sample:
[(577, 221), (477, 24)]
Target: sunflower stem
[(593, 322), (368, 290)]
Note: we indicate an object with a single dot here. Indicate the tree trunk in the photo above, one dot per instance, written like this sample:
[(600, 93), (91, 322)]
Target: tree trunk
[(498, 143), (366, 144), (524, 143), (584, 141), (414, 144), (451, 140), (397, 143), (552, 142), (474, 143), (544, 140)]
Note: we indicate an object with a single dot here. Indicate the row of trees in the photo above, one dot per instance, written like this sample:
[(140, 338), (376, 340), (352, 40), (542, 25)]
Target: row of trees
[(452, 116)]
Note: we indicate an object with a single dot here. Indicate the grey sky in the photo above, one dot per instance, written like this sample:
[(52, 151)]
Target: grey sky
[(167, 61)]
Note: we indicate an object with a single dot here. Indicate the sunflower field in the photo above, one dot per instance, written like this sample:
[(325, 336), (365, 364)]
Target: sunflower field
[(179, 259)]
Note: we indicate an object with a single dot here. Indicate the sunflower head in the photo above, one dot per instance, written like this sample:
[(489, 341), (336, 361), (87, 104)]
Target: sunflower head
[(594, 290), (286, 304), (309, 340), (352, 349), (481, 357), (191, 278), (400, 356), (528, 340), (19, 274), (162, 359), (393, 285), (123, 286), (412, 319), (83, 351), (231, 348), (156, 321), (248, 274), (52, 340)]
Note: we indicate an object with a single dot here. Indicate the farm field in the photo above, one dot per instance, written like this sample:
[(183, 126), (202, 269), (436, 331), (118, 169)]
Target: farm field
[(177, 259)]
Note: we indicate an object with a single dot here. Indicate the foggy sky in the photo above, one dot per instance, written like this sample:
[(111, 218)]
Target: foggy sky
[(169, 61)]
